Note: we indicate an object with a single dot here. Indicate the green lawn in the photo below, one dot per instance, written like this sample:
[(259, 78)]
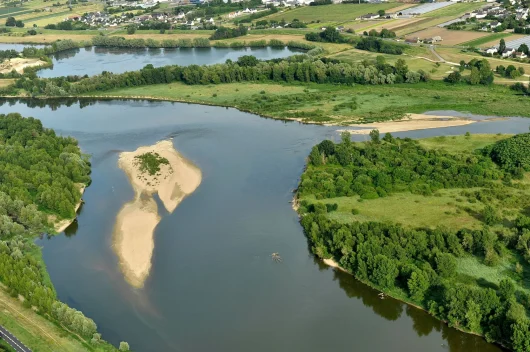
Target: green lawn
[(331, 13), (457, 144)]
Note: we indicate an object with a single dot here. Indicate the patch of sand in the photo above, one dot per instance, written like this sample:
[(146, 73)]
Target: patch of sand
[(410, 123), (137, 220), (19, 64), (62, 225)]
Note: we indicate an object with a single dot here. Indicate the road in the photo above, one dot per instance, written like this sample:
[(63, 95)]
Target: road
[(12, 341)]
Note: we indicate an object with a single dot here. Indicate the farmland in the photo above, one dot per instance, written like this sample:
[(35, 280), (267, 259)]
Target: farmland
[(449, 37)]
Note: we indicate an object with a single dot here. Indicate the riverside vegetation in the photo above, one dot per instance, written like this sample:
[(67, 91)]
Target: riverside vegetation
[(41, 173), (441, 223)]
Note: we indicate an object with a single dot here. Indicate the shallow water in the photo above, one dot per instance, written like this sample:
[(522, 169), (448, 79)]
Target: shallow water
[(94, 60), (213, 285)]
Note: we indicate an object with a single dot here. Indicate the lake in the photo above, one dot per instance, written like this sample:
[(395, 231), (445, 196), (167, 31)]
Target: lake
[(94, 60), (213, 284)]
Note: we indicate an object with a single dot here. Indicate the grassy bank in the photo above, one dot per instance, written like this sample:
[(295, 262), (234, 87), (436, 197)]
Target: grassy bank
[(333, 103)]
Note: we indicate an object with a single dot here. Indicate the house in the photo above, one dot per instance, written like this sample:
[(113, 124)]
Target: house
[(480, 15), (369, 16), (495, 24), (414, 40), (508, 52), (492, 50), (520, 55)]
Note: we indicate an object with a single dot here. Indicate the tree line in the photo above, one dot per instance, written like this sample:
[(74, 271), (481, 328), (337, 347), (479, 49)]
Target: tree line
[(421, 264), (298, 68), (38, 172)]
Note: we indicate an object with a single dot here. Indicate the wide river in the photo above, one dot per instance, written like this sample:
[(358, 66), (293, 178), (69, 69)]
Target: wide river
[(213, 284)]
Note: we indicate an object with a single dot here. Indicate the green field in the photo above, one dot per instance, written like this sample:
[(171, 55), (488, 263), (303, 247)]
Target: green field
[(481, 41), (372, 100), (455, 10), (330, 13)]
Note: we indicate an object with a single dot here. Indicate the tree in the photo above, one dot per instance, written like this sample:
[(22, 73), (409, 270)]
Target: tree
[(523, 48), (401, 67), (462, 66), (502, 46), (501, 70), (418, 284), (473, 315), (374, 136), (474, 78), (124, 346), (506, 290), (446, 265), (19, 24), (385, 271), (454, 77), (489, 215), (315, 157), (131, 29), (381, 13), (11, 22)]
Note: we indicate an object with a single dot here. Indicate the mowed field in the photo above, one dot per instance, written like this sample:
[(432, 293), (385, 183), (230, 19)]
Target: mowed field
[(331, 13), (449, 37), (455, 10)]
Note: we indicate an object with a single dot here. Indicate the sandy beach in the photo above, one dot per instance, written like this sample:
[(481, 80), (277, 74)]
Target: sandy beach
[(413, 122), (137, 220), (19, 64)]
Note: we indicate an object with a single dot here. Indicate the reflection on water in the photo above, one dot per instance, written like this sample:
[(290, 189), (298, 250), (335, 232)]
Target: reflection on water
[(94, 60), (213, 285)]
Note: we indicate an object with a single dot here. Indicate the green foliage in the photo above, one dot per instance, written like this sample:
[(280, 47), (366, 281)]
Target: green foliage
[(225, 33), (38, 167), (150, 162), (418, 285), (512, 153), (384, 272), (446, 265)]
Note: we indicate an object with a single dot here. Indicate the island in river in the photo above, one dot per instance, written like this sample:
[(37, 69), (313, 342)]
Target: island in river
[(173, 178), (440, 223)]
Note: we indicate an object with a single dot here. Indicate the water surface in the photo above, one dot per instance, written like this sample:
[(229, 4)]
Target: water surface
[(213, 285), (94, 60)]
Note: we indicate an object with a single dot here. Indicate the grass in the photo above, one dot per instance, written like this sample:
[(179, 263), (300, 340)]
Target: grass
[(37, 333), (330, 13), (454, 10), (455, 55), (372, 100), (481, 41), (457, 144)]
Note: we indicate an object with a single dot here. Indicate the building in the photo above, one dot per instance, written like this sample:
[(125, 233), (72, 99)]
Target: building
[(507, 52), (491, 51)]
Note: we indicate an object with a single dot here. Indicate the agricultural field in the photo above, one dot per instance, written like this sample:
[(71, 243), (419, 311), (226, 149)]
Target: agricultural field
[(423, 23), (449, 37), (331, 13), (455, 55), (492, 39)]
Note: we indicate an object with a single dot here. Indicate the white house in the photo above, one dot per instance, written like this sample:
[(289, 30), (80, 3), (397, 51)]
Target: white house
[(508, 52), (520, 55), (495, 24), (492, 50)]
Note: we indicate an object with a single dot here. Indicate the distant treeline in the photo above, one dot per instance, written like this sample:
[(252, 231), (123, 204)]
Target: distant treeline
[(298, 68), (225, 33), (8, 54), (257, 15)]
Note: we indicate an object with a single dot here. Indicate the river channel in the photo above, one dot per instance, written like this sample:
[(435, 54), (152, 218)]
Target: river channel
[(213, 285)]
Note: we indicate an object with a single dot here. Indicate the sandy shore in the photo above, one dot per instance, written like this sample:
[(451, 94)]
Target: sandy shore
[(19, 64), (137, 220), (62, 225), (413, 122)]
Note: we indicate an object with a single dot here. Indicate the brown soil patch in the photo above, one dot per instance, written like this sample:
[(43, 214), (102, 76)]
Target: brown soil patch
[(449, 37)]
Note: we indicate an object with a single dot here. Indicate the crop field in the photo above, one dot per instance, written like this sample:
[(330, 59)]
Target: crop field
[(420, 25), (449, 37), (515, 43), (331, 13), (487, 40)]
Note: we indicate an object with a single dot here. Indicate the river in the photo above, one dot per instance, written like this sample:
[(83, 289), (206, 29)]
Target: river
[(213, 284)]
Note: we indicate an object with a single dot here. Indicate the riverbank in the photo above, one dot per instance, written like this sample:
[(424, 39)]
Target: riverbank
[(135, 224), (19, 64), (411, 122)]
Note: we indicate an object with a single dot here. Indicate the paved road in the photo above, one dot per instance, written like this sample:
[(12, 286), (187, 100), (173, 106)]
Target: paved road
[(12, 341)]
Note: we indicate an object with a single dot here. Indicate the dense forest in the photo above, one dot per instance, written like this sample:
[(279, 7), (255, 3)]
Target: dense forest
[(420, 265), (301, 68), (38, 175)]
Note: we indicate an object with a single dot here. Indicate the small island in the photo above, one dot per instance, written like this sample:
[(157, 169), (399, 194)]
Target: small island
[(440, 223), (151, 169)]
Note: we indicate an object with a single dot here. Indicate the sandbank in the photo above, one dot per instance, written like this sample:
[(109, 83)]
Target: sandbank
[(19, 64), (410, 123), (137, 220)]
